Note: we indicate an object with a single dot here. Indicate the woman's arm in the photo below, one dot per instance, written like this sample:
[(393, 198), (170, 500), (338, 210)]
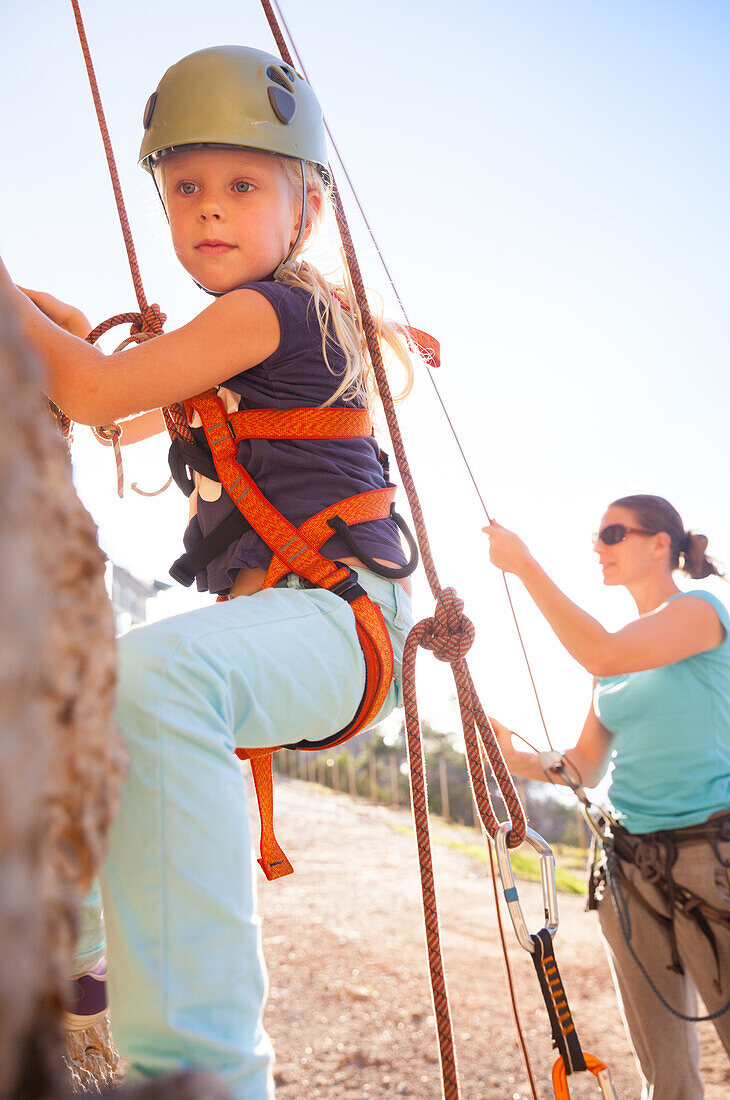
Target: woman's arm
[(589, 758), (233, 334), (673, 632)]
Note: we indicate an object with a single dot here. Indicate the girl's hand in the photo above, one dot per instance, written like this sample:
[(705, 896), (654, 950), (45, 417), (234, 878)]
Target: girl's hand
[(506, 550), (65, 316), (504, 740)]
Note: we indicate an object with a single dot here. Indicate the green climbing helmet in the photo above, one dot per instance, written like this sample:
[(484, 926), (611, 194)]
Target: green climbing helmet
[(234, 96)]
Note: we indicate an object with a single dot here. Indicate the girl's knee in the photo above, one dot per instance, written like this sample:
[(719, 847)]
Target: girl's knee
[(147, 664)]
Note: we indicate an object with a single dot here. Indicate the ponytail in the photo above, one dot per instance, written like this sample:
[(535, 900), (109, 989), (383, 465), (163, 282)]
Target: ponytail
[(688, 551)]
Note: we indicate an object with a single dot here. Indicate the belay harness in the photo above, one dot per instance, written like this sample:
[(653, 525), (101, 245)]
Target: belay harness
[(654, 854), (295, 550)]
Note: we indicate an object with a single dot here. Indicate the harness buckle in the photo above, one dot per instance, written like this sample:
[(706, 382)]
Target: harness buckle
[(348, 589), (547, 882)]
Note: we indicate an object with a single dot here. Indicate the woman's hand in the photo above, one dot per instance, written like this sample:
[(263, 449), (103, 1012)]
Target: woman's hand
[(506, 550), (65, 316)]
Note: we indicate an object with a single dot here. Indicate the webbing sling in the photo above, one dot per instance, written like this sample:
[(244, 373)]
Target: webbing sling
[(565, 1037), (296, 550)]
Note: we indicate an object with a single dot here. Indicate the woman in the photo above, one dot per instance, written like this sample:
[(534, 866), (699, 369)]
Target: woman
[(661, 715)]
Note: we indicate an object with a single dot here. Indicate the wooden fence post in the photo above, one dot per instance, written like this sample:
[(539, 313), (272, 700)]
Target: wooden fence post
[(444, 787), (583, 837), (393, 779), (336, 774), (373, 777), (352, 774)]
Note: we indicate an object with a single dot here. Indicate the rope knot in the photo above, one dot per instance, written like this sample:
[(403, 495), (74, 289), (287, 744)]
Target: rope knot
[(151, 320), (449, 633)]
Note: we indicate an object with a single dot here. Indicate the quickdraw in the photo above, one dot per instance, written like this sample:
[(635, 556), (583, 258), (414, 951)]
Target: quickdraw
[(571, 1056)]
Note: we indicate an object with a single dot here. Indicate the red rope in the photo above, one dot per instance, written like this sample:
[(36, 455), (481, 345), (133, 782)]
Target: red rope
[(150, 319), (449, 634)]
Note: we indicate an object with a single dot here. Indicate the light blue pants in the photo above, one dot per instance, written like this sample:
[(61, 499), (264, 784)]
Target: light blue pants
[(90, 945), (186, 974)]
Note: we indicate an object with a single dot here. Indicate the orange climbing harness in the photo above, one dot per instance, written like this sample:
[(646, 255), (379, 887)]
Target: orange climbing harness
[(296, 550)]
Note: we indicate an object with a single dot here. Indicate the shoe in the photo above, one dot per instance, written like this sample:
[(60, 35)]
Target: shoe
[(88, 999)]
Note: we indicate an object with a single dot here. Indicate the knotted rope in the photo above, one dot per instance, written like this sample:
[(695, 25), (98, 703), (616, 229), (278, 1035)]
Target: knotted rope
[(146, 324), (449, 634)]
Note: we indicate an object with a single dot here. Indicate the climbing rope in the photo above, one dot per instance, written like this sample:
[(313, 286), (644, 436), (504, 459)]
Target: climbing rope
[(146, 323), (381, 257), (449, 635)]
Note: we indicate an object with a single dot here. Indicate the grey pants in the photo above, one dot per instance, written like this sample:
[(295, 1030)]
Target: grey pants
[(666, 1048)]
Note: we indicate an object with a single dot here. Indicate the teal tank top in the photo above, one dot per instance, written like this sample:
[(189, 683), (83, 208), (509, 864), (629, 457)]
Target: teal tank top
[(671, 736)]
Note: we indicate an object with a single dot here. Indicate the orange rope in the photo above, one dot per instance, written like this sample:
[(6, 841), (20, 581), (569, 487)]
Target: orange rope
[(449, 634), (150, 319)]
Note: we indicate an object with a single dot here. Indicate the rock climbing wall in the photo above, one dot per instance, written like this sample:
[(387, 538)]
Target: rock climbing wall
[(61, 762)]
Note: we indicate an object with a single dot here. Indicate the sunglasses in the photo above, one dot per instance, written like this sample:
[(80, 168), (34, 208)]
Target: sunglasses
[(617, 532)]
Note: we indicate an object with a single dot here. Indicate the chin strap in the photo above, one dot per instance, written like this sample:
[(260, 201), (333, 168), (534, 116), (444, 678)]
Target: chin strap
[(286, 264)]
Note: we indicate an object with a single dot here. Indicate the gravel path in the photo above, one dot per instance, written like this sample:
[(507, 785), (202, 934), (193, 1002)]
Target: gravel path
[(349, 1006)]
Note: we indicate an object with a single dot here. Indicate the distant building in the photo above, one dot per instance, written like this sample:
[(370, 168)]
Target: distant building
[(129, 596)]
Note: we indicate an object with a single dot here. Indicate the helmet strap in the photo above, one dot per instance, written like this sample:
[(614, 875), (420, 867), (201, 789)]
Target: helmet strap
[(286, 264)]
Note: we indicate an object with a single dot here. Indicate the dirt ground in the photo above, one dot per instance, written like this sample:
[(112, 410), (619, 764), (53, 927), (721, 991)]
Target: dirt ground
[(349, 1006)]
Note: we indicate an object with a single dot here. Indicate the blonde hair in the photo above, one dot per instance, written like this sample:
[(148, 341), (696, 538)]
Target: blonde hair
[(335, 302), (337, 308)]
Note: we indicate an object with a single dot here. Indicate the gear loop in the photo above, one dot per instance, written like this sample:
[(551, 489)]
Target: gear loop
[(449, 633)]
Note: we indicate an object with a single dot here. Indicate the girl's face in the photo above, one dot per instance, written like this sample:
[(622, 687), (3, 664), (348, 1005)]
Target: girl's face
[(634, 555), (233, 215)]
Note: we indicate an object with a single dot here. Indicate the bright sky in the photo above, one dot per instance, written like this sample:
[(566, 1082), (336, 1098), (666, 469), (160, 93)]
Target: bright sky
[(549, 186)]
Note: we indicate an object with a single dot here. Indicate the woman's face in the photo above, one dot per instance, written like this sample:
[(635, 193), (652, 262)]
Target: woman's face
[(629, 559)]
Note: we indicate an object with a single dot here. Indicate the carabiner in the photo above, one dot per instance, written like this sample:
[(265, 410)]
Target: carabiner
[(547, 881), (600, 1071)]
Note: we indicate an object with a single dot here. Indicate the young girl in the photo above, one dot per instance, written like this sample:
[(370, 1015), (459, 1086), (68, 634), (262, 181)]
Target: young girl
[(235, 143)]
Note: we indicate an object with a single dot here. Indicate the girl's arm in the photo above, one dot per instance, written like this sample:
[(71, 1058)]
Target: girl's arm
[(233, 334), (673, 632), (589, 758)]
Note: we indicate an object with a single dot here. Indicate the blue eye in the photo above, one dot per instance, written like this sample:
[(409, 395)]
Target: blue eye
[(187, 188), (242, 186)]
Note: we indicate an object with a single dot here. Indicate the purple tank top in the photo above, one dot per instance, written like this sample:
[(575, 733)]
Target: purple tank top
[(300, 476)]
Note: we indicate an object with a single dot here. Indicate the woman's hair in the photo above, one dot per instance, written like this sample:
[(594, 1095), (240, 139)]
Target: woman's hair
[(335, 302), (687, 551), (337, 308)]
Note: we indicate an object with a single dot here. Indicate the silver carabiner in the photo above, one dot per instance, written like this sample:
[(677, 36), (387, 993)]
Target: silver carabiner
[(598, 820), (547, 881), (608, 1092)]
